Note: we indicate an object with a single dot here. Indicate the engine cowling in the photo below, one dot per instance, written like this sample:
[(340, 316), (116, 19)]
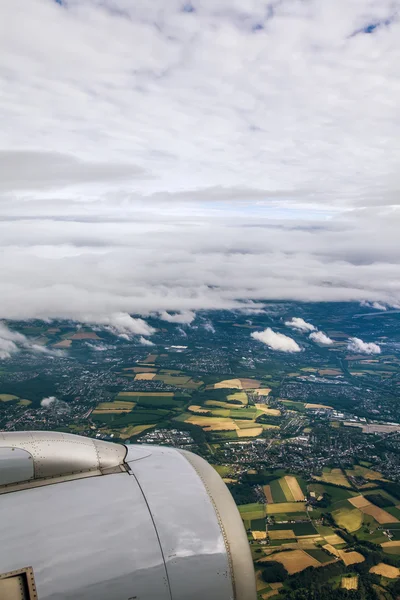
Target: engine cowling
[(83, 519)]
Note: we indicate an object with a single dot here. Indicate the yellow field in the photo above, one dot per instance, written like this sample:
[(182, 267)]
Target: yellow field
[(274, 412), (145, 376), (228, 384), (380, 515), (63, 344), (8, 397), (25, 402), (281, 534), (336, 477), (118, 407), (149, 394), (359, 501), (141, 369), (391, 544), (259, 535), (268, 494), (262, 391), (220, 404), (385, 570), (128, 432), (285, 507), (360, 471), (349, 583), (334, 539), (249, 432), (348, 518), (239, 397), (249, 384), (351, 558), (331, 549), (198, 409), (315, 406), (293, 561), (294, 488)]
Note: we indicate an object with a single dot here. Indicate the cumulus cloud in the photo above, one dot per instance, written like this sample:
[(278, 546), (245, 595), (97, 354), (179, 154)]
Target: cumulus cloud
[(208, 326), (320, 338), (374, 305), (357, 345), (46, 402), (124, 181), (145, 342), (300, 324), (184, 317), (12, 342), (276, 341), (122, 324)]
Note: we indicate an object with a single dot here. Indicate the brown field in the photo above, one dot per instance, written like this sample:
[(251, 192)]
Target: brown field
[(281, 534), (228, 384), (250, 384), (351, 558), (285, 507), (334, 539), (274, 412), (293, 561), (294, 488), (359, 501), (262, 391), (336, 477), (391, 544), (310, 405), (329, 372), (259, 535), (145, 376), (360, 471), (379, 514), (331, 549), (63, 344), (385, 570), (85, 335), (266, 426), (349, 583), (268, 494), (250, 432)]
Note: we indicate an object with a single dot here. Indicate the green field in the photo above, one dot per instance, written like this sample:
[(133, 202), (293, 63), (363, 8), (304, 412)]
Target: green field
[(258, 524), (298, 528), (346, 516), (252, 511), (320, 555), (277, 492)]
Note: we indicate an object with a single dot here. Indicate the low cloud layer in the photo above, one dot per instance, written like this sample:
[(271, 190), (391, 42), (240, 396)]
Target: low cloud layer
[(12, 342), (184, 317), (300, 324), (358, 346), (320, 338), (173, 160), (276, 341)]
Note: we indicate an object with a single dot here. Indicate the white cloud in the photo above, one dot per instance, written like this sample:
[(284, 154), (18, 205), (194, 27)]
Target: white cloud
[(46, 402), (320, 338), (300, 324), (375, 305), (276, 341), (184, 317), (12, 342), (208, 326), (358, 346), (122, 324), (145, 341), (124, 179)]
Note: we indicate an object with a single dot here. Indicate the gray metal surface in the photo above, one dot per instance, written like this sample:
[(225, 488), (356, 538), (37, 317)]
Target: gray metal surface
[(15, 465), (56, 454), (160, 526), (85, 539), (188, 528)]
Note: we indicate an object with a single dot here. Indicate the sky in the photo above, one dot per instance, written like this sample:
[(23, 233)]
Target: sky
[(172, 157)]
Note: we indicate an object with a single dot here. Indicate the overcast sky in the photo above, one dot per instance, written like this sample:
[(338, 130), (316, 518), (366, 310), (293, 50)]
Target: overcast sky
[(168, 156)]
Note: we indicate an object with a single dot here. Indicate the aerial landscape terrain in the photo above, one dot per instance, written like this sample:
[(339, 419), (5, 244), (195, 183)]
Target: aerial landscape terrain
[(296, 406)]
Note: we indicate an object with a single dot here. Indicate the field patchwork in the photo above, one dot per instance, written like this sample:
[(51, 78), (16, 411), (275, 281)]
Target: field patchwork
[(294, 561), (385, 570), (380, 515)]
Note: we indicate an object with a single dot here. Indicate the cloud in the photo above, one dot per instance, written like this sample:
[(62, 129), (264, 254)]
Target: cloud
[(46, 402), (374, 305), (358, 346), (124, 184), (320, 338), (184, 317), (100, 347), (12, 342), (276, 341), (208, 326), (145, 341), (300, 324), (122, 324)]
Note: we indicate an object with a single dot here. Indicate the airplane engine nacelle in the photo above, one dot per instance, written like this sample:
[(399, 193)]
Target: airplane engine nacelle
[(84, 519)]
